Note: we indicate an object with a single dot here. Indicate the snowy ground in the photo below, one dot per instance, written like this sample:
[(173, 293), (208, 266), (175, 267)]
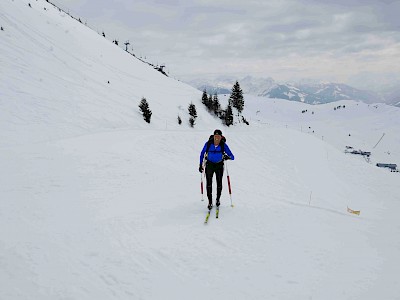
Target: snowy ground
[(118, 215), (97, 204)]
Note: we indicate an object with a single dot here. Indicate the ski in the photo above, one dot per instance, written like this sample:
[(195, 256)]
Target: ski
[(207, 217), (217, 212)]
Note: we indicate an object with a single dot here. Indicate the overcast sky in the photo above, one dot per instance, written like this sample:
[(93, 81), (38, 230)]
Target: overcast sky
[(350, 41)]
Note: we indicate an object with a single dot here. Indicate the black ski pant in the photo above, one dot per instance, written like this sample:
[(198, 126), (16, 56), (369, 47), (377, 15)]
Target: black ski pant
[(218, 169)]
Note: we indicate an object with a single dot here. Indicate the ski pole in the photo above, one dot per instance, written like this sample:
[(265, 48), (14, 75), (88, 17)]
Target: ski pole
[(201, 187), (202, 184), (229, 184)]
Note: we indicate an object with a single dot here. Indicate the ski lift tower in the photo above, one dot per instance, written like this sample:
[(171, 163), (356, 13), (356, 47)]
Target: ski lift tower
[(126, 45)]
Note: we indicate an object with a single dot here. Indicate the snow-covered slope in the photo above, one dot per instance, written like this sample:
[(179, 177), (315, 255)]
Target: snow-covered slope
[(393, 96), (105, 217), (341, 123), (55, 73), (105, 206)]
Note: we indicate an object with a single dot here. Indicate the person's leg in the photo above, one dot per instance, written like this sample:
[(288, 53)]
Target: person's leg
[(209, 179), (219, 174)]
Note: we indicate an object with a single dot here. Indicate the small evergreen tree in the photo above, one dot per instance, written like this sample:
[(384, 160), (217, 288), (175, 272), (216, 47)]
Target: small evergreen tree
[(210, 103), (216, 106), (193, 114), (192, 110), (207, 101), (145, 109), (204, 98), (191, 121), (236, 99), (179, 120), (228, 116)]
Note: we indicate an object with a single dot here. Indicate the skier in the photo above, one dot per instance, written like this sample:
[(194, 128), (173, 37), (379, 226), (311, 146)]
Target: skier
[(214, 153)]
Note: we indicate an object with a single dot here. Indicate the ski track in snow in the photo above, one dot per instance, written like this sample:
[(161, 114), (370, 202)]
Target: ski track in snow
[(132, 224)]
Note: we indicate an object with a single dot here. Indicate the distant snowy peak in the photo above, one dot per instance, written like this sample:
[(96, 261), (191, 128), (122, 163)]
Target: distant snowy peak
[(224, 84), (320, 93), (393, 97), (307, 92), (284, 91), (256, 86)]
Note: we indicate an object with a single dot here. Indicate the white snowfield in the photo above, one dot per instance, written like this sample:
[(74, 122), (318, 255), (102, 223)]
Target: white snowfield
[(97, 204)]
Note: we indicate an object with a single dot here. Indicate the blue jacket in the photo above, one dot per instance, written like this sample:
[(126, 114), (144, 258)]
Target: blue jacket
[(214, 153)]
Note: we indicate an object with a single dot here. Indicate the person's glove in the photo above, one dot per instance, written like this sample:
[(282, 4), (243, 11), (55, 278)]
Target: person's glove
[(225, 157), (201, 168)]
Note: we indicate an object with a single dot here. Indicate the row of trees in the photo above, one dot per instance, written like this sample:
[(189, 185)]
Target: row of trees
[(236, 101), (213, 106)]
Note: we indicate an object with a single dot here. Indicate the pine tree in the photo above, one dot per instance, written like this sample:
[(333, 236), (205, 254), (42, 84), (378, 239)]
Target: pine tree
[(236, 99), (207, 101), (144, 108), (216, 106), (192, 110), (179, 120), (210, 103), (228, 118), (192, 121), (193, 114), (204, 98)]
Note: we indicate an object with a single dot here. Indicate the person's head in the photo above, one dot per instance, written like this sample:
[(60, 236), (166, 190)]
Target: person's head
[(218, 132), (217, 136)]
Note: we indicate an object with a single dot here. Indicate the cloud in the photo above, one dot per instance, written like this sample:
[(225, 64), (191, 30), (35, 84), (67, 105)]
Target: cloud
[(282, 39)]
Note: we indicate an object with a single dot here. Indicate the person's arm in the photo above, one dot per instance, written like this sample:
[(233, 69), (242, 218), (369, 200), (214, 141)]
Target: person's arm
[(203, 153), (229, 152)]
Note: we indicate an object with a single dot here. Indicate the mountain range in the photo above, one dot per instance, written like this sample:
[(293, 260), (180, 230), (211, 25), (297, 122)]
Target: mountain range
[(392, 97), (311, 93)]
